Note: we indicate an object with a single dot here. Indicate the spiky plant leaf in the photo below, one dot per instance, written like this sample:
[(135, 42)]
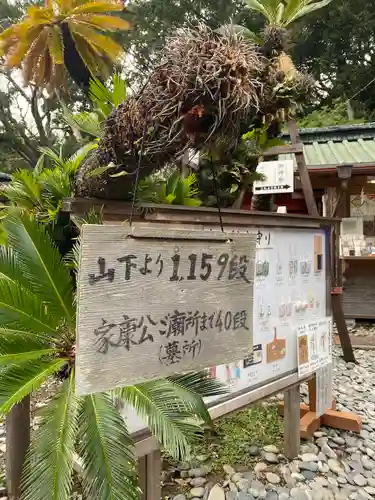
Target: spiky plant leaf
[(13, 341), (74, 161), (56, 45), (86, 122), (119, 90), (103, 22), (49, 463), (18, 358), (101, 43), (304, 10), (168, 417), (98, 7), (42, 265), (19, 380), (22, 310), (191, 388), (11, 268), (106, 451)]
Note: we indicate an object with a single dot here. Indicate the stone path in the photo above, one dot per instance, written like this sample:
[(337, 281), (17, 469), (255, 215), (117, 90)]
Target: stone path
[(336, 465)]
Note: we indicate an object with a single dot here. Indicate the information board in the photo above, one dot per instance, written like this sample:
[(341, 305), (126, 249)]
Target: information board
[(150, 304), (289, 291)]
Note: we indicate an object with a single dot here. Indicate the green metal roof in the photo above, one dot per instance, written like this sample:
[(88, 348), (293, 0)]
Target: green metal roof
[(325, 148)]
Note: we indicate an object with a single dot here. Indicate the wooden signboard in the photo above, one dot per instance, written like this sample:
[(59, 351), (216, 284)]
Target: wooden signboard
[(154, 303)]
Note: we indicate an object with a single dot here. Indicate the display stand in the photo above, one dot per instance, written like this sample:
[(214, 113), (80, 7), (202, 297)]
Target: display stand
[(309, 420)]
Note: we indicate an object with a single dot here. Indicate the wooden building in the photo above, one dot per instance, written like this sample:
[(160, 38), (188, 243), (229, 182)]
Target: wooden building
[(341, 163)]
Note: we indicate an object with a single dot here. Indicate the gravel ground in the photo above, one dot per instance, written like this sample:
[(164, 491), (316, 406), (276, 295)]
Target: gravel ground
[(336, 465)]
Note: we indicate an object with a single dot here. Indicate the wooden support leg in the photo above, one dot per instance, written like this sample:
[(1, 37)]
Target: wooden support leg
[(308, 421), (142, 476), (17, 442), (153, 480), (292, 439), (342, 328)]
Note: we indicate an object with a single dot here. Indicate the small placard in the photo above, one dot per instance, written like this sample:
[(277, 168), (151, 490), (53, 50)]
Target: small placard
[(278, 177), (153, 302), (314, 346), (323, 389)]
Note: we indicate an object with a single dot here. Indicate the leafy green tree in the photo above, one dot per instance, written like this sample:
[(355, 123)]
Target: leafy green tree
[(336, 45), (37, 342), (324, 116)]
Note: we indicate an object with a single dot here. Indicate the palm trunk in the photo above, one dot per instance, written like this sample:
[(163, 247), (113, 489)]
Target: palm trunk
[(17, 443)]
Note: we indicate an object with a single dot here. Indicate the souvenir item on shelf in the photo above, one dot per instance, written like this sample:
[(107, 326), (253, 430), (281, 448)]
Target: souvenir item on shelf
[(276, 349)]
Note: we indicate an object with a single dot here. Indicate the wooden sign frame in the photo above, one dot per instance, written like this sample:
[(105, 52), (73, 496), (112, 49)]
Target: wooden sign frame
[(167, 218)]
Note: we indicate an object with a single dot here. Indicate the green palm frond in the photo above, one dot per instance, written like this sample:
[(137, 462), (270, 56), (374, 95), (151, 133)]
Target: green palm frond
[(49, 463), (24, 191), (11, 268), (292, 14), (101, 96), (18, 341), (193, 387), (119, 90), (106, 451), (22, 310), (9, 336), (169, 418), (19, 380), (55, 158), (28, 355), (42, 265), (73, 162), (86, 121)]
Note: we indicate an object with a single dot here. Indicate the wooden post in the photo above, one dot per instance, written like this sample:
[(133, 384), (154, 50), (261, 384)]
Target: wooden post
[(153, 479), (17, 443), (142, 476), (303, 171), (292, 436)]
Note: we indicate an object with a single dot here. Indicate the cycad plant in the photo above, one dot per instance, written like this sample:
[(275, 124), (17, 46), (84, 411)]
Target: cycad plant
[(37, 342), (104, 98), (279, 15), (175, 189), (64, 35)]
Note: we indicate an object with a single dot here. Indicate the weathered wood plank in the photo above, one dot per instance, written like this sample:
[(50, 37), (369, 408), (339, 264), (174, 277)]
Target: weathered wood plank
[(153, 303), (292, 438)]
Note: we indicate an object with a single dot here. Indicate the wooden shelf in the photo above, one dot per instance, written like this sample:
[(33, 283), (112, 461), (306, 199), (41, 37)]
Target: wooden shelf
[(358, 257)]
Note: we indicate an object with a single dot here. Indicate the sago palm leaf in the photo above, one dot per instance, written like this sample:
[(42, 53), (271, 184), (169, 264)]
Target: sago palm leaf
[(49, 463), (86, 122), (22, 310), (168, 417), (11, 268), (19, 341), (292, 14), (19, 380), (73, 162), (97, 7), (193, 387), (10, 337), (103, 22), (42, 265), (106, 451)]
